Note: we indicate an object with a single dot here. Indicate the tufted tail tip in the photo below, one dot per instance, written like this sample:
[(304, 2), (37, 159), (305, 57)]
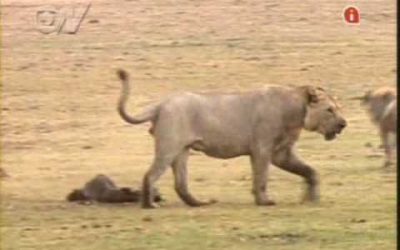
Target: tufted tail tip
[(122, 74)]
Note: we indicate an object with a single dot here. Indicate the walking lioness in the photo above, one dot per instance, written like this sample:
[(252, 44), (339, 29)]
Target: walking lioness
[(263, 124), (382, 106)]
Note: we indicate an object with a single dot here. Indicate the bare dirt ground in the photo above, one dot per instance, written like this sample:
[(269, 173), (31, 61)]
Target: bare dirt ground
[(60, 126)]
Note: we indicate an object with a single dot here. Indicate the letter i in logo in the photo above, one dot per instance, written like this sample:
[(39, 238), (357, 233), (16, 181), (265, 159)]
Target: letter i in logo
[(351, 15)]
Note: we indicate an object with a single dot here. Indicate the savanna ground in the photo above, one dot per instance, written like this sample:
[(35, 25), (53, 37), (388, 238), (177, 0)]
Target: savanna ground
[(60, 126)]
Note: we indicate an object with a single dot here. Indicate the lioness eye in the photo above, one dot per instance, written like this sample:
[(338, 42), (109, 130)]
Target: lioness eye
[(330, 110)]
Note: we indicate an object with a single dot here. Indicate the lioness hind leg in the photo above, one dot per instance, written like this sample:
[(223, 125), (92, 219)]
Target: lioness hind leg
[(179, 167), (152, 175), (288, 161)]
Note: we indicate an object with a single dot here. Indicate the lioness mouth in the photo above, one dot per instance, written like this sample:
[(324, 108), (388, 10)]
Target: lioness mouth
[(330, 136)]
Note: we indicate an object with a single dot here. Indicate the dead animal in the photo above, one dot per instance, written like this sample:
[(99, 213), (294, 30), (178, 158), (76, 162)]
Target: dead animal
[(263, 124), (102, 189)]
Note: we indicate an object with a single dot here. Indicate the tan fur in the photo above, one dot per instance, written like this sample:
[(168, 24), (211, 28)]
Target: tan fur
[(3, 173), (263, 124), (382, 107)]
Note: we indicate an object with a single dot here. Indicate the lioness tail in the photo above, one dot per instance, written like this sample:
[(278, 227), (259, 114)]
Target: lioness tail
[(145, 116)]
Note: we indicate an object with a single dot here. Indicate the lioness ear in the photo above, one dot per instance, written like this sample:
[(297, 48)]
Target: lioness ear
[(310, 93)]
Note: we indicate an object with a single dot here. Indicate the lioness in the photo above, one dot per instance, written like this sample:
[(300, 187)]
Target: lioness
[(263, 124), (382, 106)]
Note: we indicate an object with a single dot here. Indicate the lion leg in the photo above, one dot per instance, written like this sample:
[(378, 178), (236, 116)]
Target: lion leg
[(288, 161), (160, 164), (179, 167), (387, 147), (260, 163)]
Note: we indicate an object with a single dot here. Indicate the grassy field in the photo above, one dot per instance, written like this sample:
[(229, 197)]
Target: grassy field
[(60, 126)]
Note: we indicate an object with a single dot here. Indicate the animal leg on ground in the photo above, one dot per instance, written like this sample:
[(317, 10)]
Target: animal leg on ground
[(160, 164), (387, 147), (179, 167), (260, 164), (288, 161)]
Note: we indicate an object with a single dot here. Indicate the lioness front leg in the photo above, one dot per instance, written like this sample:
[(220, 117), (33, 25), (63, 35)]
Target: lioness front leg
[(387, 147), (179, 167), (260, 163), (287, 160)]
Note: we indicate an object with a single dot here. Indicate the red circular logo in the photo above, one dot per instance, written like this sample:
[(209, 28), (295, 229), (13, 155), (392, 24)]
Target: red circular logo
[(351, 15)]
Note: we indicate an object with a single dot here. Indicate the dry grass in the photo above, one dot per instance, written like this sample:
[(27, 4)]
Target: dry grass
[(60, 127)]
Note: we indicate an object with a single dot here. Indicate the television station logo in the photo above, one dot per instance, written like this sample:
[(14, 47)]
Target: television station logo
[(65, 19)]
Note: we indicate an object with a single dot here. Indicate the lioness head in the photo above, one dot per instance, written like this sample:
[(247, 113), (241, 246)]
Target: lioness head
[(323, 113)]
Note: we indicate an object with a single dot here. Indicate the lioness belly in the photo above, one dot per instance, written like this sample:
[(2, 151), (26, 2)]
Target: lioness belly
[(220, 150)]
